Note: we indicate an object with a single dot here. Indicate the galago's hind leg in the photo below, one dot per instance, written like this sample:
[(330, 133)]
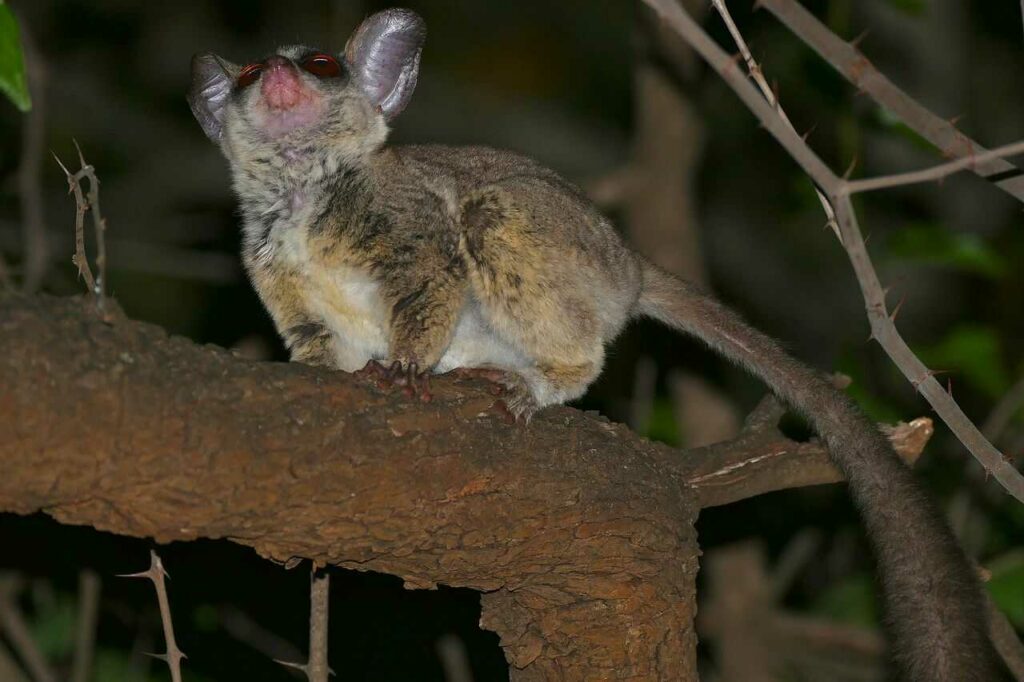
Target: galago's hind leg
[(532, 298)]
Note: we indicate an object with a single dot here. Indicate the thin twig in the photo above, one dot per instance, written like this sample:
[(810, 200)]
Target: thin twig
[(316, 669), (319, 597), (934, 173), (36, 256), (16, 630), (754, 69), (79, 259), (99, 223), (84, 203), (85, 634), (156, 574), (882, 327), (855, 67)]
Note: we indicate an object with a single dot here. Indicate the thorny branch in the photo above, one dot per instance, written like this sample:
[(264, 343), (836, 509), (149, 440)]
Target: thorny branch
[(84, 203), (883, 328), (156, 574), (754, 69), (845, 58), (937, 172)]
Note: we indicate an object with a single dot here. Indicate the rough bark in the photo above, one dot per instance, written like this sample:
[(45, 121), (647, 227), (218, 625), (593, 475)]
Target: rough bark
[(578, 532)]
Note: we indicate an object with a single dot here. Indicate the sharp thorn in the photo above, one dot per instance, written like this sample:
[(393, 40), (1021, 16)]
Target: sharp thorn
[(849, 169), (859, 39), (81, 157), (289, 664), (896, 310), (62, 166)]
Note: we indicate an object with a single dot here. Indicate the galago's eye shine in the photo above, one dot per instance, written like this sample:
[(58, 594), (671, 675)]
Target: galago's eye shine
[(322, 65), (249, 75)]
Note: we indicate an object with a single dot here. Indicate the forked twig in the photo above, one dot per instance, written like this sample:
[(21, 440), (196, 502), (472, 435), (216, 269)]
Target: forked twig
[(845, 58), (754, 69), (84, 203), (156, 574), (882, 327)]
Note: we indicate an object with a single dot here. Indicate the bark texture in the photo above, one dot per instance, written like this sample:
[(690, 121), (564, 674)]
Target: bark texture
[(578, 532)]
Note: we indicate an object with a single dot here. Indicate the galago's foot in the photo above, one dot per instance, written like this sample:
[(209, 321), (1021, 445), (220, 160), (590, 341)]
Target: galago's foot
[(516, 397), (406, 375)]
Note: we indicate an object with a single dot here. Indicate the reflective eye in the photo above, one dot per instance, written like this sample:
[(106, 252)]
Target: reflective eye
[(249, 74), (322, 66)]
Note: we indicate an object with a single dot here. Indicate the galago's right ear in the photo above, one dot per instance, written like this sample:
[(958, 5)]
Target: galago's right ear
[(212, 79)]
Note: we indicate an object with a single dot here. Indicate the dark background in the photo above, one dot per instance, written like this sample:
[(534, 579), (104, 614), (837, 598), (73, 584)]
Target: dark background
[(555, 80)]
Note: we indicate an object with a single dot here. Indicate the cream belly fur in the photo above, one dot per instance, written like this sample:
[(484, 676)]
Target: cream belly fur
[(349, 300)]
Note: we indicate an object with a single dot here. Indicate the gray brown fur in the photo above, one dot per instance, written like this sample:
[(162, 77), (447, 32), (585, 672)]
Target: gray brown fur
[(450, 257)]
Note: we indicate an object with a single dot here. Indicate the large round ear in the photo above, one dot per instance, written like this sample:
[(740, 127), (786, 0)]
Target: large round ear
[(212, 78), (384, 55)]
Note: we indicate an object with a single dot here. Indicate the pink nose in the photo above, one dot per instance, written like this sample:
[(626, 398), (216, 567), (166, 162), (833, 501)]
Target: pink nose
[(280, 83)]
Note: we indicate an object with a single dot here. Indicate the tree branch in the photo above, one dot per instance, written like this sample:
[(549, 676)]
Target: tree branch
[(859, 71), (113, 424), (883, 328)]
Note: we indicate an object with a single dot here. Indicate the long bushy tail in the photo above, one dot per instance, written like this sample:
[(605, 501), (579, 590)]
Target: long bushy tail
[(932, 596)]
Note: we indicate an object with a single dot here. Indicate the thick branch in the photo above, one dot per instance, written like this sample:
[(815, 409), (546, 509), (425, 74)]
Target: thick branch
[(579, 531)]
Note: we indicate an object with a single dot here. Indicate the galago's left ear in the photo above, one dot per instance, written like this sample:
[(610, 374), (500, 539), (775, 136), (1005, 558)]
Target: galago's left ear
[(212, 78), (384, 56)]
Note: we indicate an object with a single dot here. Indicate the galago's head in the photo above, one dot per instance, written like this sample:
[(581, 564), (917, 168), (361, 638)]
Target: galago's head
[(302, 101)]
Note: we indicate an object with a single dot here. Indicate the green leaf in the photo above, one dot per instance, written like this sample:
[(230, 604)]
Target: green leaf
[(12, 65), (933, 244), (973, 352)]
